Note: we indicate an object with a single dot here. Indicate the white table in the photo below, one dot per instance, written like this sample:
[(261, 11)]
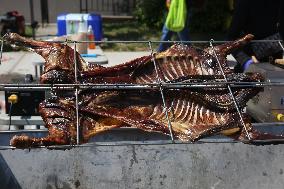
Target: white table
[(99, 59)]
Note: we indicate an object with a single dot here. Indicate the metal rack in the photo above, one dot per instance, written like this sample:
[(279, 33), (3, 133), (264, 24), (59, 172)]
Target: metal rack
[(159, 85)]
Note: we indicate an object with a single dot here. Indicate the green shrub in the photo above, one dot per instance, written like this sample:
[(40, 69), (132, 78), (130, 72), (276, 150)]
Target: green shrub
[(151, 12), (214, 16)]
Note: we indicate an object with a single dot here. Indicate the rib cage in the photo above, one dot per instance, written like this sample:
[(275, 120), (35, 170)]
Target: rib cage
[(187, 116), (187, 112), (173, 67)]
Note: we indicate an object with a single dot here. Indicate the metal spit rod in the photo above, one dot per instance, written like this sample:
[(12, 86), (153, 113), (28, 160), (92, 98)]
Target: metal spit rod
[(155, 41), (76, 94), (230, 90), (150, 86), (161, 90)]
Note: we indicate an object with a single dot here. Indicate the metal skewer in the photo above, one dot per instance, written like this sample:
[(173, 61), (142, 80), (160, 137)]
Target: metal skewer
[(154, 41), (150, 86), (161, 90), (76, 95)]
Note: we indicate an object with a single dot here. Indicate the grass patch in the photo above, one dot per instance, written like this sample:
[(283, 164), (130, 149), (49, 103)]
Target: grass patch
[(135, 31), (129, 31), (28, 31)]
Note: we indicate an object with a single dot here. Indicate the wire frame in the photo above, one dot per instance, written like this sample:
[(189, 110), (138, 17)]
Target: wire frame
[(153, 86)]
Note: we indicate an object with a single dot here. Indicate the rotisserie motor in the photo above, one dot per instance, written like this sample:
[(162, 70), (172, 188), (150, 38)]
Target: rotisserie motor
[(193, 112)]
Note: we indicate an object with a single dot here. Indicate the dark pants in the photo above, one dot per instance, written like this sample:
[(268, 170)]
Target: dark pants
[(183, 35)]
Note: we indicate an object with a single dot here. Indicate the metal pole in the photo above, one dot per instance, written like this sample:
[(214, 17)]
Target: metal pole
[(1, 50), (162, 93), (76, 96), (87, 7), (80, 6), (32, 17), (146, 86), (125, 42), (44, 11)]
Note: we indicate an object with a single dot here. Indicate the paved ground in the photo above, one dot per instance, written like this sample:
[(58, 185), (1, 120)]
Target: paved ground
[(49, 29)]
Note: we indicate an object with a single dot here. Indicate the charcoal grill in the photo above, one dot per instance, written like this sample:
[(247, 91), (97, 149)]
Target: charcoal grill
[(160, 86)]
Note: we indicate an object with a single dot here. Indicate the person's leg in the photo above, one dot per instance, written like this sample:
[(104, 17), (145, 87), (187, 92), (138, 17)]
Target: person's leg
[(166, 36), (184, 34)]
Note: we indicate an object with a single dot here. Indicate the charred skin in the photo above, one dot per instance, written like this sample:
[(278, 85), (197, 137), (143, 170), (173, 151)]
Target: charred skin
[(194, 113), (58, 115)]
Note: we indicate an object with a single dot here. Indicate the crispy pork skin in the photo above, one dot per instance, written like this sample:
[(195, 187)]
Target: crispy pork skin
[(193, 112)]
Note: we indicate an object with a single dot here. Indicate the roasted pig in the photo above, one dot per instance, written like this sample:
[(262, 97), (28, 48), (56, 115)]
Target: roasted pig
[(193, 113)]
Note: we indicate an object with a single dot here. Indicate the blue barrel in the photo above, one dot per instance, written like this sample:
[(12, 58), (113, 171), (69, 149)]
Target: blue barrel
[(61, 24), (95, 20)]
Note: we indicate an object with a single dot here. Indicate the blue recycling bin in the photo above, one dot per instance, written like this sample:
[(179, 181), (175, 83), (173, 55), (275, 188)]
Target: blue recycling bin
[(69, 23)]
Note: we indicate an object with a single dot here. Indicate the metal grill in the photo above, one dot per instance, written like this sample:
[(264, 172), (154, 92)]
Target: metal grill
[(159, 85)]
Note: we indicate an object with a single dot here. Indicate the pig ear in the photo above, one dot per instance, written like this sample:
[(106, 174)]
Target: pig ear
[(228, 47)]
